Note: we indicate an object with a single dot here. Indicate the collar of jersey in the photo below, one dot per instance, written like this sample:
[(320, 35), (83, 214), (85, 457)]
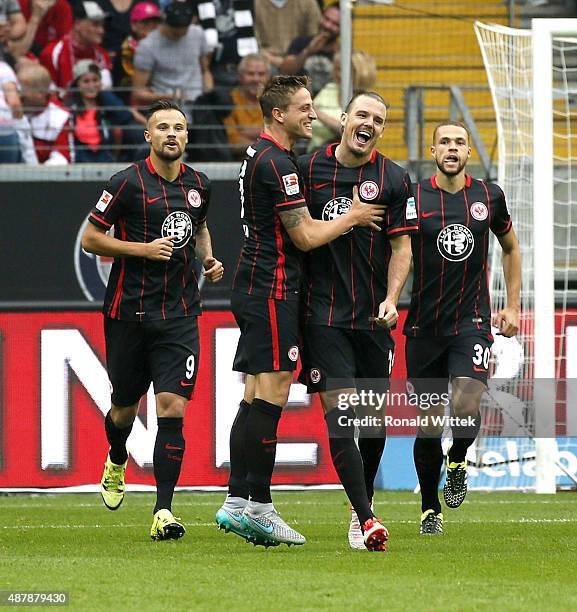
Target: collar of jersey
[(330, 152), (153, 171), (434, 185), (272, 139)]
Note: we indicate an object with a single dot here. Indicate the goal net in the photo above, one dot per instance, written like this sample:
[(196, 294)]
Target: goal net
[(532, 75)]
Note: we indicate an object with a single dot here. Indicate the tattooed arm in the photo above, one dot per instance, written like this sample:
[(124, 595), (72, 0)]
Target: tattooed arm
[(308, 233)]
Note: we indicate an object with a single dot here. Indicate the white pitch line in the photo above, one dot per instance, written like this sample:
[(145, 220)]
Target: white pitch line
[(391, 522), (385, 502)]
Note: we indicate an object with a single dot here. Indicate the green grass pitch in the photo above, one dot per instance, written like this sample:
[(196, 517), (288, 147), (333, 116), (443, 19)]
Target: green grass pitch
[(499, 552)]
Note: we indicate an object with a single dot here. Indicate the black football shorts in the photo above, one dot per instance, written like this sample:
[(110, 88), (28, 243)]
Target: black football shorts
[(269, 335), (342, 357), (164, 352), (433, 361)]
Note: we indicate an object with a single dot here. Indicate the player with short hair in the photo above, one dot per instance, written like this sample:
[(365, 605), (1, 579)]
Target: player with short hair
[(448, 326), (158, 207), (265, 298), (351, 290)]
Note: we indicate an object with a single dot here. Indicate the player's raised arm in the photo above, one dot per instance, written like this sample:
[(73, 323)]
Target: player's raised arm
[(308, 233)]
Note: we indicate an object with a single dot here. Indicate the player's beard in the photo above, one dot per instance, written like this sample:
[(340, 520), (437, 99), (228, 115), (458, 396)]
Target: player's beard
[(457, 170), (168, 155)]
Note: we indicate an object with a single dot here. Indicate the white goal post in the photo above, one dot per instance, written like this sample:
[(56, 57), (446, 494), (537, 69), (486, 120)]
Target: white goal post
[(532, 75)]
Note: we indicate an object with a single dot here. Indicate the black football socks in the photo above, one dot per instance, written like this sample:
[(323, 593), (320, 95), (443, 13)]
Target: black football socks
[(168, 454), (463, 437), (260, 448), (428, 456), (117, 439), (371, 449), (237, 484), (347, 460)]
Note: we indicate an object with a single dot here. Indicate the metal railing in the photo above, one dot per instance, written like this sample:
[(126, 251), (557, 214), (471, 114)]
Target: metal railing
[(208, 139)]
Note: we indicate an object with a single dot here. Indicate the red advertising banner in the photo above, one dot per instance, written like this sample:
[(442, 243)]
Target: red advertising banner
[(54, 395)]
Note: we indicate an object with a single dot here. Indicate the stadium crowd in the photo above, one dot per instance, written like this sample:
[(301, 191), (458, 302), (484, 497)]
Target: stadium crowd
[(76, 75)]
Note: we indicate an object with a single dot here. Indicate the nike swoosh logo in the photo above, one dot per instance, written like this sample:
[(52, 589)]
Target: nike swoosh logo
[(479, 369), (151, 200), (185, 384), (320, 185), (265, 441), (235, 517), (263, 527), (428, 214), (171, 447)]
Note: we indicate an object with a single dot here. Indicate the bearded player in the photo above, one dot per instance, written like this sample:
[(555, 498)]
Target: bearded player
[(351, 289), (448, 326), (158, 207)]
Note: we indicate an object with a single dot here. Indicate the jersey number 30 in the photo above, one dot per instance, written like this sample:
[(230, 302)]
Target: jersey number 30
[(481, 356)]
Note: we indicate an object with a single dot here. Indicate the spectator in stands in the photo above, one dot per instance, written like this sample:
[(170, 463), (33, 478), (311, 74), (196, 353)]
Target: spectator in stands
[(48, 119), (98, 117), (328, 103), (12, 25), (10, 112), (244, 123), (313, 55), (144, 18), (46, 21), (83, 42), (117, 24), (278, 22), (229, 29), (173, 61)]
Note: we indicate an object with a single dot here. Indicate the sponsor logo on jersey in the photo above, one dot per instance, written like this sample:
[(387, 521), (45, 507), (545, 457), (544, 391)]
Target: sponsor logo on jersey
[(455, 242), (336, 208), (293, 353), (194, 198), (411, 209), (315, 375), (177, 224), (291, 183), (369, 190), (479, 211), (104, 201)]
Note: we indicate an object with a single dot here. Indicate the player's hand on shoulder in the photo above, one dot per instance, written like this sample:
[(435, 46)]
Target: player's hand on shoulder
[(213, 269), (388, 314), (159, 249), (366, 215), (507, 321)]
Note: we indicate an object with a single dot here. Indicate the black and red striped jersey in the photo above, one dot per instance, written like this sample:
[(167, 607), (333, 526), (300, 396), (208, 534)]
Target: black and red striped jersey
[(450, 294), (142, 206), (345, 280), (270, 183)]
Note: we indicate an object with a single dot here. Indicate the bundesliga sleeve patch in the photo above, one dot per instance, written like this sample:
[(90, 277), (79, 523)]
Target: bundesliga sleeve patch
[(104, 201), (291, 183), (411, 209)]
